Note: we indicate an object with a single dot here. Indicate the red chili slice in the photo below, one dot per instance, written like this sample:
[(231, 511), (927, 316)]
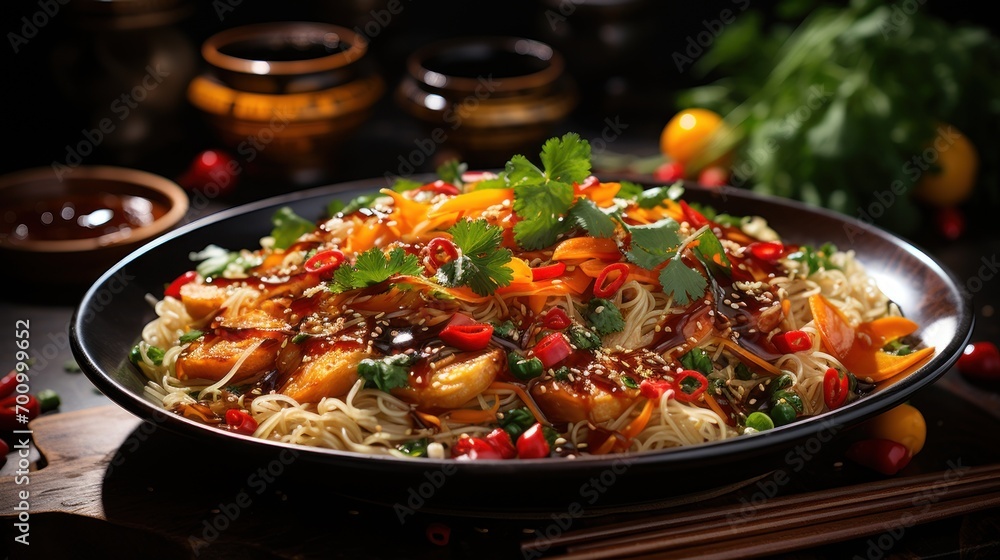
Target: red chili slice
[(692, 216), (440, 187), (790, 342), (174, 288), (472, 448), (682, 395), (836, 387), (767, 251), (603, 288), (548, 271), (552, 349), (8, 383), (440, 246), (324, 262), (471, 337), (501, 442), (17, 410), (241, 422), (556, 319), (654, 389), (885, 456)]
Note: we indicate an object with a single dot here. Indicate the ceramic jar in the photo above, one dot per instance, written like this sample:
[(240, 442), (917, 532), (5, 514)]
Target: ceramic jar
[(485, 99), (285, 96)]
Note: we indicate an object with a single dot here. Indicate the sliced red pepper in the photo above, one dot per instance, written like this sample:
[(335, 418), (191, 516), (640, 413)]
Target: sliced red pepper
[(684, 396), (475, 336), (325, 262), (501, 442), (655, 389), (8, 383), (440, 246), (438, 533), (603, 288), (472, 448), (836, 388), (790, 342), (552, 349), (17, 410), (767, 251), (240, 421), (532, 443), (174, 288), (883, 455), (693, 217), (556, 319), (440, 187), (547, 272)]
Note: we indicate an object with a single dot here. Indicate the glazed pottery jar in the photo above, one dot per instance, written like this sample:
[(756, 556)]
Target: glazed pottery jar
[(284, 96), (487, 98)]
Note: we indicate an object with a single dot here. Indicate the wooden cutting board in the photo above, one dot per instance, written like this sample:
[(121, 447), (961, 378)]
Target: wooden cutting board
[(115, 486)]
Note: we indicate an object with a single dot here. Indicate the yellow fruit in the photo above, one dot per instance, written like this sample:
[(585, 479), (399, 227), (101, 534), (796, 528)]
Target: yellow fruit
[(903, 424), (688, 134), (959, 168)]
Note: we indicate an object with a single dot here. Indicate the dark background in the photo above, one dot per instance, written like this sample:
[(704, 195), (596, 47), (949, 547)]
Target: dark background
[(57, 84)]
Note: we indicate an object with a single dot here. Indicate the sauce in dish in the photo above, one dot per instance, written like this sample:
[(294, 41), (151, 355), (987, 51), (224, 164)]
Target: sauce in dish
[(77, 216)]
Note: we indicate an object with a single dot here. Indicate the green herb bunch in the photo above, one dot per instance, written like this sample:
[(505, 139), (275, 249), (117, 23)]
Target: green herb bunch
[(839, 110)]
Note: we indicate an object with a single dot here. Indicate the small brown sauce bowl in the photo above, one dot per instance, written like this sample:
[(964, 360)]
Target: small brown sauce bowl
[(70, 230)]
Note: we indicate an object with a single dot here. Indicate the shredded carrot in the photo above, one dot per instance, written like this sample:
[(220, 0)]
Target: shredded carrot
[(469, 416), (606, 447), (428, 419), (638, 424), (475, 200), (525, 398), (748, 356)]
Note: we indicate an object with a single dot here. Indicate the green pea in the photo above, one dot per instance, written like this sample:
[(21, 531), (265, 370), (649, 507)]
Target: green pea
[(788, 397), (782, 413), (759, 421)]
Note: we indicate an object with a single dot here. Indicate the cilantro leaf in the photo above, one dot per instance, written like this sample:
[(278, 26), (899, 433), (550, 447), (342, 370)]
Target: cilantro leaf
[(519, 170), (629, 190), (588, 216), (651, 198), (815, 259), (373, 267), (713, 254), (604, 316), (403, 185), (698, 360), (386, 374), (288, 227), (357, 203), (653, 243), (566, 159), (190, 336), (541, 208), (683, 283), (482, 263), (583, 338)]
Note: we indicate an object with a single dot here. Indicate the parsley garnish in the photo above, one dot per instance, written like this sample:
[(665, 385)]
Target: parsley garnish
[(713, 254), (373, 267), (652, 244), (682, 282), (629, 190), (482, 262), (583, 338), (698, 360), (588, 216), (651, 198), (288, 227), (604, 316), (154, 353), (815, 260), (386, 374), (542, 197)]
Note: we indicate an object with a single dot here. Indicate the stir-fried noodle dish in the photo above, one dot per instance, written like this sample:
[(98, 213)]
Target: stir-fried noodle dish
[(537, 312)]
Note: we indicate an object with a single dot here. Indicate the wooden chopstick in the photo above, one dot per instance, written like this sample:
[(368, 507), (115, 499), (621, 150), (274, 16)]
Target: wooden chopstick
[(797, 512)]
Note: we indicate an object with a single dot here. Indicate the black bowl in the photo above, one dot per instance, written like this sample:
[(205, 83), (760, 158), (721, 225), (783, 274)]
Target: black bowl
[(111, 315)]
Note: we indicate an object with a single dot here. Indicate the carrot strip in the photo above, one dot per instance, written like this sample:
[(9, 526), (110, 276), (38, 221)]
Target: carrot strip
[(525, 398), (606, 447), (469, 416), (587, 248), (638, 424), (473, 201), (748, 356), (429, 419), (714, 405)]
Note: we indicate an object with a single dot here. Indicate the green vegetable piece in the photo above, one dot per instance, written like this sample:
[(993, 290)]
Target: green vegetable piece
[(759, 421), (482, 264), (386, 374), (783, 381), (698, 360), (190, 336), (781, 414), (604, 316), (524, 368), (154, 353), (631, 383), (374, 267), (415, 448), (288, 227), (742, 372), (48, 399), (793, 399), (516, 421), (583, 338)]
